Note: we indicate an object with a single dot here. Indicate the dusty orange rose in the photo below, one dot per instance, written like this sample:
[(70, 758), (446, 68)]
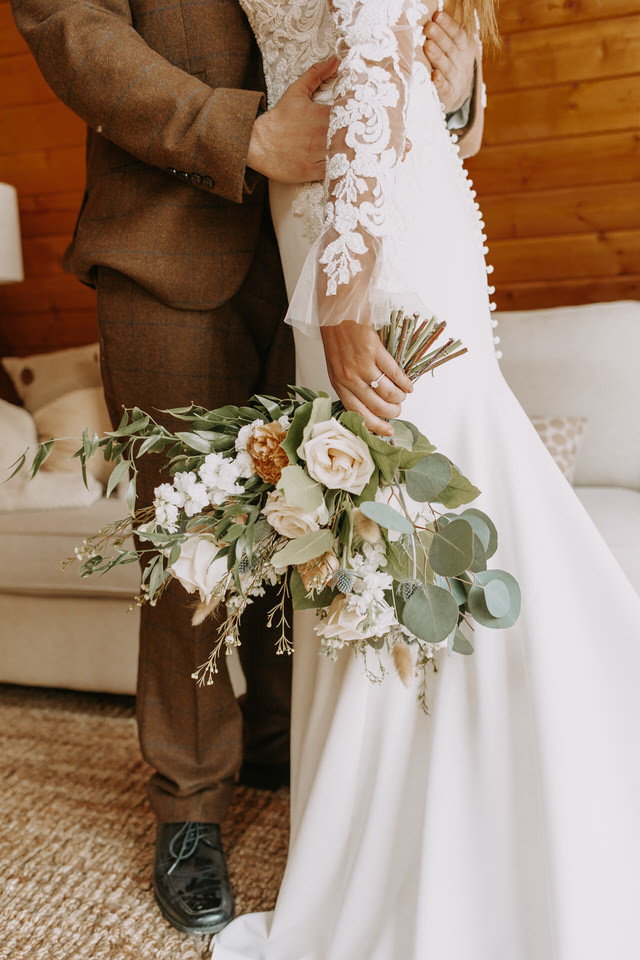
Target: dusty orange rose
[(316, 573), (269, 459)]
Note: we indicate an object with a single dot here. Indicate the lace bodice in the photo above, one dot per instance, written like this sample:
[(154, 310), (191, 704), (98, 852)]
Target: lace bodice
[(377, 41)]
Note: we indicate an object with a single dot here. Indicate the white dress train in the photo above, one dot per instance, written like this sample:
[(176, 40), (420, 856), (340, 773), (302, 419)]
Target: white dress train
[(504, 825)]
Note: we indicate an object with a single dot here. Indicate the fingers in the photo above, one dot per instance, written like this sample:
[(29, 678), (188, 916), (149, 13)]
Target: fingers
[(452, 28), (311, 79), (373, 422), (395, 374)]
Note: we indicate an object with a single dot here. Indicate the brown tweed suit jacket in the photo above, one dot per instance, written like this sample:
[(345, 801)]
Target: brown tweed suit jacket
[(169, 201)]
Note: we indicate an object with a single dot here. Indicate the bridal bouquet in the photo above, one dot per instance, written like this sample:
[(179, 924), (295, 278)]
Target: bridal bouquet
[(297, 493)]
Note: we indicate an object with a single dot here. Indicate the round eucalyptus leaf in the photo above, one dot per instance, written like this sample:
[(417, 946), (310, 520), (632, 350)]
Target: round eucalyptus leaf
[(452, 548), (454, 586), (428, 478), (482, 519), (461, 644), (497, 598), (479, 556), (478, 604), (386, 516), (430, 613)]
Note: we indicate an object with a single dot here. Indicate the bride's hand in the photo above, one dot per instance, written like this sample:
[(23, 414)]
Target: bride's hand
[(355, 357)]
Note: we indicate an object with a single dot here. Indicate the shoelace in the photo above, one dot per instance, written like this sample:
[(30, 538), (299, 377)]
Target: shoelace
[(187, 839)]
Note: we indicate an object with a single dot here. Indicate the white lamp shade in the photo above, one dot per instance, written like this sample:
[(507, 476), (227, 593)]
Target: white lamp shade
[(10, 248)]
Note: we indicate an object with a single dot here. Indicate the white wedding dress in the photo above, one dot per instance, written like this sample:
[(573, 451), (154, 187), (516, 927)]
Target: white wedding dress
[(504, 825)]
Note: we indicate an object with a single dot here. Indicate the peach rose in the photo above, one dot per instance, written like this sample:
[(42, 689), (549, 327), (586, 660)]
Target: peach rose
[(268, 457)]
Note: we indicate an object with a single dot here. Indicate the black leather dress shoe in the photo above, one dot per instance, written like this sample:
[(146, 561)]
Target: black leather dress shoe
[(264, 776), (190, 878)]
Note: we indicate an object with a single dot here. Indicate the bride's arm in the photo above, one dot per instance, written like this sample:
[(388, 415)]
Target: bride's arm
[(366, 142)]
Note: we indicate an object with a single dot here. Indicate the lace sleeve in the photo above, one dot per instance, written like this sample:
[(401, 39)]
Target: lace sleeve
[(367, 142)]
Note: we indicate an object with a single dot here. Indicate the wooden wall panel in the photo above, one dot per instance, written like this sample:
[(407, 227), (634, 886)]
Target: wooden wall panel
[(558, 176)]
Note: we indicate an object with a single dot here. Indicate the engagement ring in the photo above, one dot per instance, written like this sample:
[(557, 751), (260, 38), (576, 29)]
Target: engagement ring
[(376, 383)]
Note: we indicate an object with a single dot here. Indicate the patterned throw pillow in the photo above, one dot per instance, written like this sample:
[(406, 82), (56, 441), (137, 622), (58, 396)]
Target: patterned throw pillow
[(562, 436)]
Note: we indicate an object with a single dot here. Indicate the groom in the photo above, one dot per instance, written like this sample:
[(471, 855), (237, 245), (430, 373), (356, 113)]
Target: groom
[(175, 234)]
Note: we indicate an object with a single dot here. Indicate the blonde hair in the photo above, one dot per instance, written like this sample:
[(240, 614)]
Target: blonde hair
[(479, 17)]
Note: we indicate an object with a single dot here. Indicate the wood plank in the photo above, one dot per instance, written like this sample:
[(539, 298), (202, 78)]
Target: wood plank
[(54, 295), (529, 14), (45, 171), (21, 82), (535, 296), (588, 160), (563, 258), (48, 214), (10, 39), (24, 334), (563, 110), (43, 255), (604, 48), (41, 126), (613, 206)]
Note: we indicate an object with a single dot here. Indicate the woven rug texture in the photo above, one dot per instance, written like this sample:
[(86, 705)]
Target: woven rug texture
[(77, 835)]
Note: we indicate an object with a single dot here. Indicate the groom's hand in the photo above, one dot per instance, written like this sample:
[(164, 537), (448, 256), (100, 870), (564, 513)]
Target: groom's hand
[(289, 142), (452, 55)]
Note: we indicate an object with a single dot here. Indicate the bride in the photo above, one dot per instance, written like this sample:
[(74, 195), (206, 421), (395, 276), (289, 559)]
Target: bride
[(503, 825)]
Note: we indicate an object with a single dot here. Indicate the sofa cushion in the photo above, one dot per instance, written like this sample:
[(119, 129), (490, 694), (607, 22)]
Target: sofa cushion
[(35, 543), (616, 514), (66, 417), (562, 436), (580, 361), (43, 377), (48, 490)]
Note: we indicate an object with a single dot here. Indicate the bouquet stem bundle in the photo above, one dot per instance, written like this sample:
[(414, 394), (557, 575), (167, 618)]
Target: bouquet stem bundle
[(409, 340)]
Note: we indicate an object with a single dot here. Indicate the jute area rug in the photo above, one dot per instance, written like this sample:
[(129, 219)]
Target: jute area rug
[(77, 835)]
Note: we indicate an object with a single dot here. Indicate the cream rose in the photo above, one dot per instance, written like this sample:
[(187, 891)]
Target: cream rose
[(337, 458), (341, 622), (199, 568), (291, 521)]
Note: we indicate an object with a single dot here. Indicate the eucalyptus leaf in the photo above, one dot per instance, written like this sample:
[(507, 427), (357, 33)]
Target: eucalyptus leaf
[(299, 489), (479, 556), (461, 644), (126, 429), (303, 548), (430, 613), (293, 438), (44, 451), (458, 491), (428, 478), (403, 434), (386, 516), (131, 496), (481, 518), (195, 442), (320, 411), (17, 466), (120, 471), (452, 549), (152, 441), (497, 598), (477, 599), (271, 405)]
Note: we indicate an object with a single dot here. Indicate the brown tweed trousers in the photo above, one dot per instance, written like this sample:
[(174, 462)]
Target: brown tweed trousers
[(175, 233)]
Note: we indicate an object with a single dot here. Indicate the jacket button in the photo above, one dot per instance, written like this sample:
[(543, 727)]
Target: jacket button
[(183, 174), (208, 182), (195, 178), (172, 171)]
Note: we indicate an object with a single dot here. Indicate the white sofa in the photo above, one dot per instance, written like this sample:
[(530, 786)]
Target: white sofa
[(59, 630)]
